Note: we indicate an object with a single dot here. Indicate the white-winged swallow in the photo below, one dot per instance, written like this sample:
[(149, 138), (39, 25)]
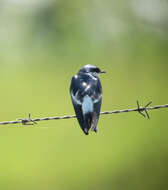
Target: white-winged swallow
[(86, 94)]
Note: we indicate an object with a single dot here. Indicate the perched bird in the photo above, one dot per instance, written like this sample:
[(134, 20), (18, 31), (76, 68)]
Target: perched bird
[(86, 94)]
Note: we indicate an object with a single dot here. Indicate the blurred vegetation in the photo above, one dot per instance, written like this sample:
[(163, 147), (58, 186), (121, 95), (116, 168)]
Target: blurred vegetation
[(43, 44)]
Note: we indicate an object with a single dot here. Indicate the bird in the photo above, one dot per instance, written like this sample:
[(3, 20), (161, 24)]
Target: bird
[(86, 95)]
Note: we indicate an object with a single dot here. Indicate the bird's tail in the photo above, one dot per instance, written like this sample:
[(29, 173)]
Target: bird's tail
[(87, 110)]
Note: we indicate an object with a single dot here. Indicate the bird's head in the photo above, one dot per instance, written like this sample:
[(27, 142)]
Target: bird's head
[(92, 70)]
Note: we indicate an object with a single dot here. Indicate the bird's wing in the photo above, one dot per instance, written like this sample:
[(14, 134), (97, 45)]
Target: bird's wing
[(97, 106), (75, 88)]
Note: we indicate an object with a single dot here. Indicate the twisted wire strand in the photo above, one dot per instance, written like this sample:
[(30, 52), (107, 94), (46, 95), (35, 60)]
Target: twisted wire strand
[(142, 110)]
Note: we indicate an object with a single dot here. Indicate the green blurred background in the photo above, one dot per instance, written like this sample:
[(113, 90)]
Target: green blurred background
[(43, 43)]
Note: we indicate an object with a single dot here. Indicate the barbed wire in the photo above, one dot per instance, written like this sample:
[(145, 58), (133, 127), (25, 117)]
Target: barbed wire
[(142, 110)]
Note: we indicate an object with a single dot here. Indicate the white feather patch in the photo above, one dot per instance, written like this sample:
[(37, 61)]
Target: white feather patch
[(75, 99), (87, 105)]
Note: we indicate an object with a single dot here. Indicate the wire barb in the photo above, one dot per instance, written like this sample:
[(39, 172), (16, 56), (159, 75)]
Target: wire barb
[(143, 109), (27, 121), (140, 110)]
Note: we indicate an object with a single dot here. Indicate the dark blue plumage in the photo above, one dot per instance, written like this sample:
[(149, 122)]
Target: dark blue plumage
[(86, 94)]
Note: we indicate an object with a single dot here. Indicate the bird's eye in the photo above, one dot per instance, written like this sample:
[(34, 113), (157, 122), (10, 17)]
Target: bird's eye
[(97, 70)]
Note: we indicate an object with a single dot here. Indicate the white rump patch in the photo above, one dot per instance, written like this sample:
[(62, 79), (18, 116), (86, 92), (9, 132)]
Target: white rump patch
[(87, 105)]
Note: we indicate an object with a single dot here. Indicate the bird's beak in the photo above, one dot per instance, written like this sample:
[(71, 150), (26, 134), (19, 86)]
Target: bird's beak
[(102, 72)]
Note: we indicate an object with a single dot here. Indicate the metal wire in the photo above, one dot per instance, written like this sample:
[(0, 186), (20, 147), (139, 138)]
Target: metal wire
[(142, 110)]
